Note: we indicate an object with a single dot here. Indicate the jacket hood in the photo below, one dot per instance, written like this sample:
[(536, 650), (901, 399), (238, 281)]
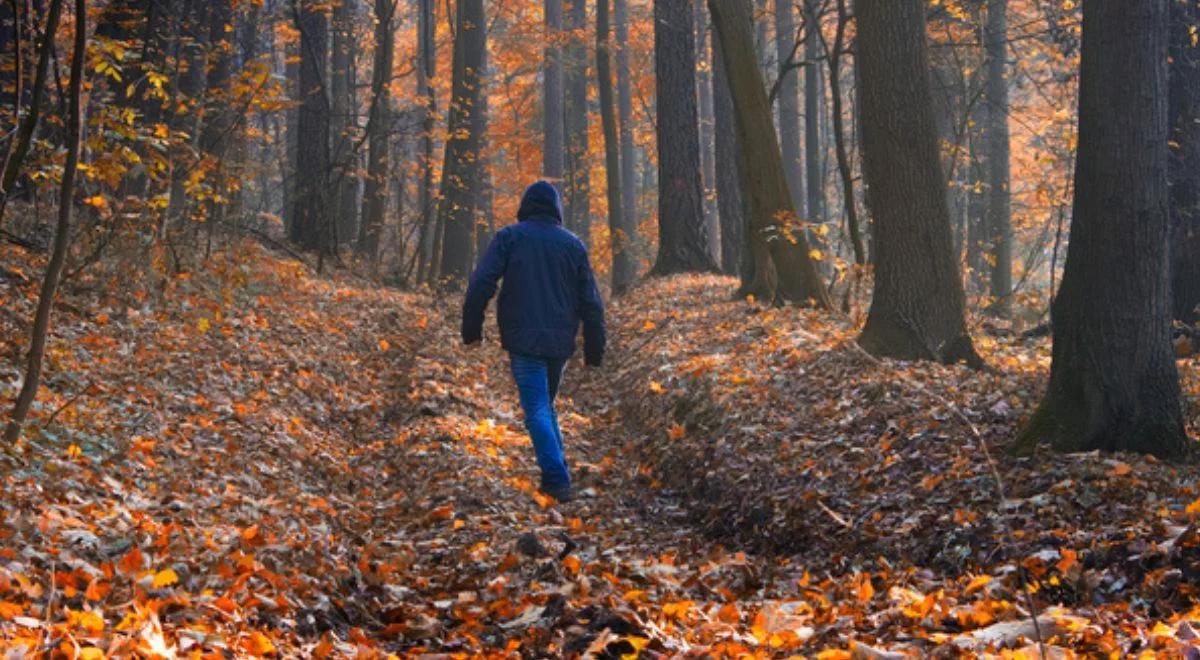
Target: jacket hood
[(541, 200)]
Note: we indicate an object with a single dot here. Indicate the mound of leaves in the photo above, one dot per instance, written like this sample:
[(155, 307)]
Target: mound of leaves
[(779, 435)]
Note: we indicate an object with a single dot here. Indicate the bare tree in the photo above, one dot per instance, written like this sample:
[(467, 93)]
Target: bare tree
[(62, 233)]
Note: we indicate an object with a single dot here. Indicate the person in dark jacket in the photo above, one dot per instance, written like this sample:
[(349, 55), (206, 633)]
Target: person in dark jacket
[(548, 291)]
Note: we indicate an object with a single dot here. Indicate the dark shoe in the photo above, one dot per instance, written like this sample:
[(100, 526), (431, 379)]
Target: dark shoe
[(561, 494)]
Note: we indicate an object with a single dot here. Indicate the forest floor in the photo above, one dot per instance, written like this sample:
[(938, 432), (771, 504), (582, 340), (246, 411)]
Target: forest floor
[(255, 460)]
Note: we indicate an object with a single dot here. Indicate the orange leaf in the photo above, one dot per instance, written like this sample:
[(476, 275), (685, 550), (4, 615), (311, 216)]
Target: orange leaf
[(132, 562), (257, 644), (572, 564), (9, 609), (729, 613)]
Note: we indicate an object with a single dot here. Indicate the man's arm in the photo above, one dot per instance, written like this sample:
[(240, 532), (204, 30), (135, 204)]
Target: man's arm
[(591, 308), (482, 287)]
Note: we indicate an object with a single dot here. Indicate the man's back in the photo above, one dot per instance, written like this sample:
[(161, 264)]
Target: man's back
[(548, 285)]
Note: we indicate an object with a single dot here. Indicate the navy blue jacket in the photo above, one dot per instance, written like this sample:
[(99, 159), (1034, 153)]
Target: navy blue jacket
[(548, 289)]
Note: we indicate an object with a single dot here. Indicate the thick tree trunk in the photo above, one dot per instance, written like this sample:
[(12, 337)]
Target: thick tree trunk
[(629, 183), (459, 209), (917, 311), (1113, 380), (788, 103), (553, 149), (624, 268), (682, 238), (62, 234), (999, 214), (311, 204), (730, 208), (344, 105), (1184, 163), (814, 93), (378, 132), (782, 265), (578, 176)]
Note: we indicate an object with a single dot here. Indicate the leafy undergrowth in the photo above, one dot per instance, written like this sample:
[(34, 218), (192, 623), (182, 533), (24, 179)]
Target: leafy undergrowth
[(252, 461)]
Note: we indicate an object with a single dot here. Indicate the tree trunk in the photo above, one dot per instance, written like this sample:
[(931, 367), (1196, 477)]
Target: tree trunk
[(553, 148), (1113, 380), (629, 183), (310, 206), (461, 171), (708, 168), (624, 268), (24, 136), (62, 233), (839, 137), (682, 239), (578, 177), (730, 208), (379, 123), (343, 106), (426, 70), (814, 92), (999, 214), (782, 265), (917, 310), (788, 103), (1184, 164)]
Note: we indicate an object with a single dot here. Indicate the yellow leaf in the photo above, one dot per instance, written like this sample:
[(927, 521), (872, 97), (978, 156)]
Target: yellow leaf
[(978, 583), (165, 578), (90, 653), (656, 387), (203, 325), (89, 621)]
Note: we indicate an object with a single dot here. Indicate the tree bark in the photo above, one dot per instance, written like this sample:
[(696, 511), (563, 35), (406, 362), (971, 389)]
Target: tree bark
[(783, 268), (1184, 164), (553, 148), (682, 238), (379, 123), (629, 182), (730, 208), (343, 107), (62, 233), (814, 93), (917, 310), (459, 209), (624, 268), (708, 168), (999, 213), (788, 103), (578, 176), (426, 71), (311, 204), (1113, 380)]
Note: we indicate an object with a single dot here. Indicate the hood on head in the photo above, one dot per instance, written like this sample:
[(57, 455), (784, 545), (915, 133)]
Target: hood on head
[(541, 200)]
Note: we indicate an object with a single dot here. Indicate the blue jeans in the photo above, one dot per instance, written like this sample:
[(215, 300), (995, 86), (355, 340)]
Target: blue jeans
[(537, 381)]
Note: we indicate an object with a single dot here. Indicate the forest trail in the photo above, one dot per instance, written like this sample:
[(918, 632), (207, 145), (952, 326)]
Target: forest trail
[(259, 460)]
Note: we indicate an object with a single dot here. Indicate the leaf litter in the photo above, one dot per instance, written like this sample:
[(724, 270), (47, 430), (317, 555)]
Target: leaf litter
[(254, 461)]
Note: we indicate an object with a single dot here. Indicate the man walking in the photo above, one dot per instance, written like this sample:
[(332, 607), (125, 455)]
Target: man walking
[(548, 290)]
